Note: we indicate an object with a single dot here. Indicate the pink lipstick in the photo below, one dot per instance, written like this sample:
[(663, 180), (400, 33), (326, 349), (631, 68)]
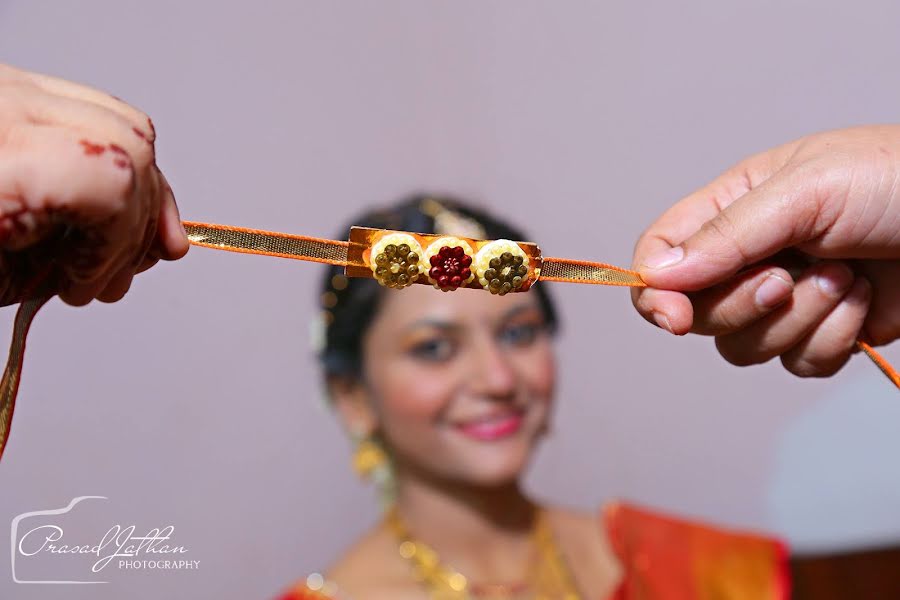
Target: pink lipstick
[(492, 428)]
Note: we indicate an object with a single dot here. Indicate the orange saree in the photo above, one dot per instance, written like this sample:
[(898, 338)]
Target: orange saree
[(666, 558)]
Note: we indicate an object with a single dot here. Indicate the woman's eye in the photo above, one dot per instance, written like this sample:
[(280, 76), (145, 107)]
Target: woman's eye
[(433, 350), (520, 335)]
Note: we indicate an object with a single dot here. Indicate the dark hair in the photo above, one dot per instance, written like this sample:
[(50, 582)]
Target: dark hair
[(352, 303)]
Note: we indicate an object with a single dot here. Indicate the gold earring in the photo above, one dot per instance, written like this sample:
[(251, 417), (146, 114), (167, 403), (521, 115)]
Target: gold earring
[(368, 457)]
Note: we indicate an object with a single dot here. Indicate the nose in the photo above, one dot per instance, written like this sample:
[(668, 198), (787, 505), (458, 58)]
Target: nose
[(493, 375)]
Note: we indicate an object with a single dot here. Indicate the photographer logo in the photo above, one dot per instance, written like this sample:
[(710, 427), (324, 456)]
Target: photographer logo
[(74, 545)]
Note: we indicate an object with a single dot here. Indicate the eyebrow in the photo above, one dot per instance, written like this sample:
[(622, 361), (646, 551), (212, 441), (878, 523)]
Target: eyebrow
[(450, 326)]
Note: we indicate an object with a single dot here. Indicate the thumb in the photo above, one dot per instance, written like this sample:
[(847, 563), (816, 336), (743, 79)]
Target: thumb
[(783, 211)]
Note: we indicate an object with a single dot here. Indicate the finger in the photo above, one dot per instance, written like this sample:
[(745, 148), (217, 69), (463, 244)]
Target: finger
[(172, 241), (112, 288), (152, 201), (104, 130), (113, 282), (783, 211), (8, 73), (79, 292), (828, 347), (76, 91), (118, 285), (147, 262), (883, 321), (669, 310), (686, 217), (82, 293), (815, 295), (740, 301)]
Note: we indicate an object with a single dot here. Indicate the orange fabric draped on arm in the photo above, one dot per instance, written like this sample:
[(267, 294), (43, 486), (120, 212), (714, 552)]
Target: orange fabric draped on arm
[(666, 558)]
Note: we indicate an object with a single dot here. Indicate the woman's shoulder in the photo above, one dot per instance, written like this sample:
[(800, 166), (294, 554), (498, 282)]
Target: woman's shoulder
[(587, 549), (659, 548)]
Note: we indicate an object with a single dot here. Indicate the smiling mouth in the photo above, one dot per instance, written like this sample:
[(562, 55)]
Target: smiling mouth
[(493, 427)]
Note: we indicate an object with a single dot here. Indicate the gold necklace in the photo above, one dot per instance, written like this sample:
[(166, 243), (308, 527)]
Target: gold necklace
[(550, 579)]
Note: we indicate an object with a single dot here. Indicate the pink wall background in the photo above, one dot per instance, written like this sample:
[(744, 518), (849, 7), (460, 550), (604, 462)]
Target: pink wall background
[(195, 401)]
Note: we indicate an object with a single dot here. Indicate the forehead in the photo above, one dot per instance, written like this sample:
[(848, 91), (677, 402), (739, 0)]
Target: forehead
[(462, 305)]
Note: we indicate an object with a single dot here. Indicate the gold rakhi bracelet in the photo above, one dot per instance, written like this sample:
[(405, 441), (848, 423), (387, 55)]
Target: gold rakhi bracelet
[(493, 264), (396, 259)]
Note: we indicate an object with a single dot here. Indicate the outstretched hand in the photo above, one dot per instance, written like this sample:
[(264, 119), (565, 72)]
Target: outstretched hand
[(794, 253)]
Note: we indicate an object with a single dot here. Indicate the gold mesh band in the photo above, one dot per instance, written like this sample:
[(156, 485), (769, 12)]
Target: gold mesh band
[(255, 241), (581, 271)]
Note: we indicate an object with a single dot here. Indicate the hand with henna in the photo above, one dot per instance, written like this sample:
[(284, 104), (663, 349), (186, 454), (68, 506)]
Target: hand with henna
[(80, 192), (793, 253)]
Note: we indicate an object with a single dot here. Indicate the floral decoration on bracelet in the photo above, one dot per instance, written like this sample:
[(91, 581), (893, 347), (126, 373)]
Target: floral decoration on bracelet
[(449, 261), (396, 260), (501, 266)]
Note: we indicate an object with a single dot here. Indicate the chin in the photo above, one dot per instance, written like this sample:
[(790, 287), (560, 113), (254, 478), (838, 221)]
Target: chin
[(497, 479), (497, 467), (488, 462)]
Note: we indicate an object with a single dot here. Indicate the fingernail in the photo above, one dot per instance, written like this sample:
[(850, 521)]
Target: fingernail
[(773, 291), (834, 279), (663, 321), (860, 291), (664, 258)]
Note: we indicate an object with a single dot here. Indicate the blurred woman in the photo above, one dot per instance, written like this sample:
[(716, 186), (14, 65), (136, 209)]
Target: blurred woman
[(446, 396)]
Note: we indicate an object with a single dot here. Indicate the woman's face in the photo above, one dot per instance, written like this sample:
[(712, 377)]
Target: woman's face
[(460, 382)]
